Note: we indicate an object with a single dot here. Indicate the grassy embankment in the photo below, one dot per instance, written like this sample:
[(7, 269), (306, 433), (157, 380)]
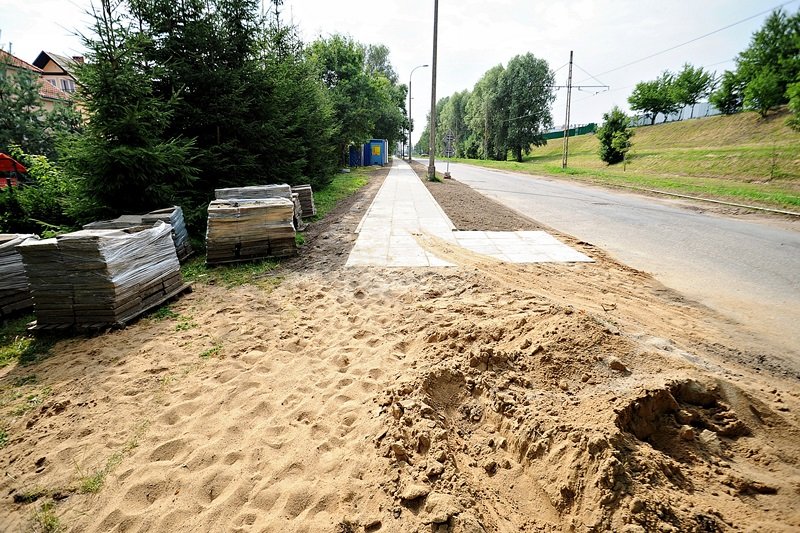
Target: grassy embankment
[(741, 158), (19, 345)]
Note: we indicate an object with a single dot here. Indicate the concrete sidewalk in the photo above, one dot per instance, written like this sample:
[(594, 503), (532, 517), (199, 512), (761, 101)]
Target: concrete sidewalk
[(403, 207)]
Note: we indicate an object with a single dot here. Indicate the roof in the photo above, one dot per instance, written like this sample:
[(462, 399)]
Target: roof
[(17, 62), (67, 64), (49, 91)]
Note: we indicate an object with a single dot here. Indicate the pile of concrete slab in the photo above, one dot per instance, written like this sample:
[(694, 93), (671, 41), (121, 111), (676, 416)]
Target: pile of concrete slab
[(170, 215), (101, 277), (306, 200), (249, 229), (15, 294), (254, 192)]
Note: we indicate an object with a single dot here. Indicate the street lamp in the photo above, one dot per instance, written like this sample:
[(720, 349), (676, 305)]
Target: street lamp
[(409, 109)]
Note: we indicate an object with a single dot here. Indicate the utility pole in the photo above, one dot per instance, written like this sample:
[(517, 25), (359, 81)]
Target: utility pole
[(566, 124), (432, 149)]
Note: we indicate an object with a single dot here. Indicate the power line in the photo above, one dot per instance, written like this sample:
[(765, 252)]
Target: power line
[(589, 74), (696, 38), (559, 68), (634, 85)]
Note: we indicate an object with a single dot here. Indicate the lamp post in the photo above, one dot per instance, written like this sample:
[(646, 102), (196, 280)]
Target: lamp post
[(410, 129)]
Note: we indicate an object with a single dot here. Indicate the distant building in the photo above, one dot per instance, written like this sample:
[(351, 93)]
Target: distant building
[(58, 70), (48, 92)]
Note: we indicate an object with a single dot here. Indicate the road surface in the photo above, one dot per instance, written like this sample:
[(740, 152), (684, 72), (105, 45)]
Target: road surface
[(747, 270)]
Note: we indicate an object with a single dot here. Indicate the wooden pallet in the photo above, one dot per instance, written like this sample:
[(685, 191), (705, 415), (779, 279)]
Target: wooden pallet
[(11, 304)]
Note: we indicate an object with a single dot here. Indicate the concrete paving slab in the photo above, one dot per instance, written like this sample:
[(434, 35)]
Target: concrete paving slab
[(403, 208)]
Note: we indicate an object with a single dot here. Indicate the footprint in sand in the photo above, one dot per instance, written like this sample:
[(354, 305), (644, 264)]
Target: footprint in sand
[(168, 450), (213, 486), (142, 495)]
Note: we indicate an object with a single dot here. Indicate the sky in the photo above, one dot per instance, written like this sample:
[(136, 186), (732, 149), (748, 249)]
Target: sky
[(475, 35)]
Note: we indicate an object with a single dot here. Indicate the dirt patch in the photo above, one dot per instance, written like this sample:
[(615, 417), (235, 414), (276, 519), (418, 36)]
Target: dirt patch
[(469, 209), (487, 397)]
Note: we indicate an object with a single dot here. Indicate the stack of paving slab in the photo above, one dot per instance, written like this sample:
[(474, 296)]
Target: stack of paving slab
[(306, 200), (299, 225), (249, 223), (101, 277), (174, 217), (15, 294), (169, 215)]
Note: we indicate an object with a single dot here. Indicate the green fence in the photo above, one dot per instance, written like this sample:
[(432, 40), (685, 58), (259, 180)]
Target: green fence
[(580, 130)]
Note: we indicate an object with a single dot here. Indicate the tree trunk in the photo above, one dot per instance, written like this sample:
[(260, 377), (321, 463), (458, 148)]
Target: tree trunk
[(653, 119), (692, 114)]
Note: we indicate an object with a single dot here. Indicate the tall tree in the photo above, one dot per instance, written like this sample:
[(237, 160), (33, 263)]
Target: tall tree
[(454, 119), (206, 53), (390, 109), (339, 64), (296, 114), (692, 85), (764, 91), (729, 96), (485, 114), (364, 100), (124, 161), (654, 97), (776, 46), (527, 94), (377, 62)]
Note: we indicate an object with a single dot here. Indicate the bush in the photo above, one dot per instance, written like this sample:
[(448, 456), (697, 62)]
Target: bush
[(614, 136), (42, 203)]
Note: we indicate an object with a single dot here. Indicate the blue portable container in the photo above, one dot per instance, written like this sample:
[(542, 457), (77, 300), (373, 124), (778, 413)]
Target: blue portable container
[(376, 152)]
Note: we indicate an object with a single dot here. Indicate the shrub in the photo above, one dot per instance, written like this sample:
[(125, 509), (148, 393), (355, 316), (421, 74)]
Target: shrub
[(614, 136)]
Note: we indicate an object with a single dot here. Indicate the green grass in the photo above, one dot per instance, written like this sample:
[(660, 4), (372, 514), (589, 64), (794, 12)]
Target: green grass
[(342, 186), (185, 323), (229, 276), (741, 158), (214, 351), (3, 437), (19, 344), (164, 313), (92, 483), (45, 519), (32, 401)]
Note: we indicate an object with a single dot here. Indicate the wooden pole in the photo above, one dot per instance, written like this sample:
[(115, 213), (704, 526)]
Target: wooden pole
[(566, 124)]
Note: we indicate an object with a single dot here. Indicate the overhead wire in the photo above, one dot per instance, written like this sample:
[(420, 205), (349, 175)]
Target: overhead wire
[(634, 85), (695, 39)]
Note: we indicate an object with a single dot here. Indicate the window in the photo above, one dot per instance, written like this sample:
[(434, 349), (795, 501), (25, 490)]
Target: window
[(68, 85), (52, 82)]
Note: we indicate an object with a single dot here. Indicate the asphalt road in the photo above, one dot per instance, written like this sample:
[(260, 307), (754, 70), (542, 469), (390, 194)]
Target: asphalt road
[(747, 270)]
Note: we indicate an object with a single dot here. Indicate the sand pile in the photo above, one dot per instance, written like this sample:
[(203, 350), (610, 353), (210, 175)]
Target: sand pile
[(551, 414)]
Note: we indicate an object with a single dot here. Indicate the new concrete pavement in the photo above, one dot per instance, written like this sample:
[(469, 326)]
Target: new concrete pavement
[(747, 270), (404, 208)]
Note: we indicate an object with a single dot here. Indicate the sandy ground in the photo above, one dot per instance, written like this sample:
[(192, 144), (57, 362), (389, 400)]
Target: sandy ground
[(486, 397)]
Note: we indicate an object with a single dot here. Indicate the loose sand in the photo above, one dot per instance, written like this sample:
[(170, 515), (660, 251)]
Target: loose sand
[(486, 397)]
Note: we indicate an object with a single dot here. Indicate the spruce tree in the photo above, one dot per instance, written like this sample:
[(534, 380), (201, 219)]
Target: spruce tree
[(124, 160)]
